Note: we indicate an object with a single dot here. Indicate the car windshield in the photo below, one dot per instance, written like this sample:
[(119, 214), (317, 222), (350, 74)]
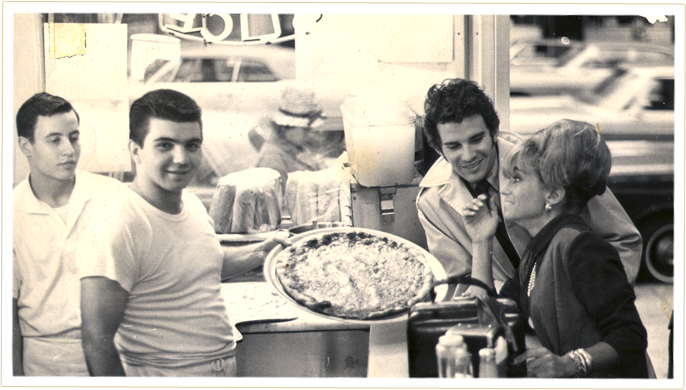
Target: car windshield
[(540, 54), (253, 71), (205, 70), (210, 70), (612, 92), (661, 95), (569, 55)]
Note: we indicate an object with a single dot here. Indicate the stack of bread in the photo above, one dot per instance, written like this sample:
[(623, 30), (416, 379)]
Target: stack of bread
[(313, 196), (247, 201)]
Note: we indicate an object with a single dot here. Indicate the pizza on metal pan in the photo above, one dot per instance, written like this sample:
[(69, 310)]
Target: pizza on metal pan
[(354, 275)]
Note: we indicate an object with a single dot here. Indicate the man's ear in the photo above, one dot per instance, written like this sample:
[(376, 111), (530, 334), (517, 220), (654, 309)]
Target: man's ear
[(26, 147), (555, 196), (135, 150)]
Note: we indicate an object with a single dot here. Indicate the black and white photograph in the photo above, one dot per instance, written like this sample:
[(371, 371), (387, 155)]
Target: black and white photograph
[(327, 195)]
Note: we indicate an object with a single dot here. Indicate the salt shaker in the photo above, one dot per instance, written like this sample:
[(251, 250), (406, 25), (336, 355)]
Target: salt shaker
[(445, 354), (487, 366), (445, 358), (463, 363)]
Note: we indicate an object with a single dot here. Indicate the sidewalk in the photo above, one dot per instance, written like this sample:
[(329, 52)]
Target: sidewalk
[(655, 302)]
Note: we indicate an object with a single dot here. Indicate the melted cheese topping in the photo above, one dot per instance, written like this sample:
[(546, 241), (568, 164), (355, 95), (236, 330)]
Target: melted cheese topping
[(357, 273)]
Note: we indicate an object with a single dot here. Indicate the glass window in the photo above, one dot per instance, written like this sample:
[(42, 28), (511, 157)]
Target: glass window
[(223, 70), (189, 71), (540, 54), (612, 58), (609, 92), (205, 70), (253, 71), (661, 96), (153, 68), (651, 58), (167, 76)]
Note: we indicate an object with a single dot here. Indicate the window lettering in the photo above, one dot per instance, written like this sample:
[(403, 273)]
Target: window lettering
[(189, 27)]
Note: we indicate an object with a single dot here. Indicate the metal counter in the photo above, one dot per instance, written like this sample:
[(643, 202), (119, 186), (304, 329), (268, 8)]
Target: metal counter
[(278, 339)]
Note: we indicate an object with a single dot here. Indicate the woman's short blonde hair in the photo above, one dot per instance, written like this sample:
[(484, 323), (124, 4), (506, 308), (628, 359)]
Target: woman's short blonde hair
[(568, 154)]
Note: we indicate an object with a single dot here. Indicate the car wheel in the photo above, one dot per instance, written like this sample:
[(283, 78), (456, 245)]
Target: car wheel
[(658, 253)]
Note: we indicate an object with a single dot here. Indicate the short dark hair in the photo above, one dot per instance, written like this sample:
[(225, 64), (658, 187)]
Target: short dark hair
[(452, 101), (166, 104), (568, 154), (40, 104)]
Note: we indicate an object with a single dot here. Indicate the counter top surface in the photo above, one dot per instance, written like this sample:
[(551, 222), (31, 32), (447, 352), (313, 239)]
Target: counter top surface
[(254, 307)]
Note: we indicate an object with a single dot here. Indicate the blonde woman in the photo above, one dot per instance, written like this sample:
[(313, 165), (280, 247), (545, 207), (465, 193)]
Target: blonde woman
[(571, 286)]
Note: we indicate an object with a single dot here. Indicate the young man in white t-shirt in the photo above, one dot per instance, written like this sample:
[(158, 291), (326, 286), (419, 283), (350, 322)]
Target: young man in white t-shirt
[(152, 269), (49, 216)]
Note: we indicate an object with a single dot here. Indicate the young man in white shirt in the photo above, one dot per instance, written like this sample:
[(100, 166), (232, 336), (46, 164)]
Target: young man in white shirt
[(152, 271), (49, 216)]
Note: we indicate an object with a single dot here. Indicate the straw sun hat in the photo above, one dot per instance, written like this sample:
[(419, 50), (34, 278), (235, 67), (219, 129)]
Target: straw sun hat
[(298, 108)]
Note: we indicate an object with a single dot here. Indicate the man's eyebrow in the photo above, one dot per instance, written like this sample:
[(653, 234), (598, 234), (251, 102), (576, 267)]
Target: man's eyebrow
[(176, 141), (478, 135), (55, 134)]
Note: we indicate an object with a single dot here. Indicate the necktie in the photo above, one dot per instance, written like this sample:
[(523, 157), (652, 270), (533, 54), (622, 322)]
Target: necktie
[(483, 187)]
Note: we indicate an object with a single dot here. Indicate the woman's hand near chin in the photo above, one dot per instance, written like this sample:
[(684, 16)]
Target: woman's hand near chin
[(480, 218)]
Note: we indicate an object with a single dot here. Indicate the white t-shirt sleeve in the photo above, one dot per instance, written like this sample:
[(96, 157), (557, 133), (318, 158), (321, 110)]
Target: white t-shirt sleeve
[(107, 249)]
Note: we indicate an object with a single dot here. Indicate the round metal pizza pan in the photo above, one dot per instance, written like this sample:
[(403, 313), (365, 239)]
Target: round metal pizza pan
[(273, 280)]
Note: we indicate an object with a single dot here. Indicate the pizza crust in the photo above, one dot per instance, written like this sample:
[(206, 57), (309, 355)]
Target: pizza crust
[(354, 275)]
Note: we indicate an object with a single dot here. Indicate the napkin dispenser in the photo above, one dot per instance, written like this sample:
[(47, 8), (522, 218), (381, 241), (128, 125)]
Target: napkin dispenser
[(428, 321)]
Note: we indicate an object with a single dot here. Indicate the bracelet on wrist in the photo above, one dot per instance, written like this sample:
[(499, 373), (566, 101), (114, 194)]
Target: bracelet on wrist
[(582, 362), (588, 360)]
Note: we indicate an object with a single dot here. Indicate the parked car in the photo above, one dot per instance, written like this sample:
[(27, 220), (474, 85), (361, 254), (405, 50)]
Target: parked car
[(557, 67), (243, 80), (634, 111), (223, 77), (633, 104)]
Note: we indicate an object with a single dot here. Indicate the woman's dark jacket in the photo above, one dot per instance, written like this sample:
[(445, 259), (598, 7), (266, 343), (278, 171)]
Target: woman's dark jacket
[(580, 296)]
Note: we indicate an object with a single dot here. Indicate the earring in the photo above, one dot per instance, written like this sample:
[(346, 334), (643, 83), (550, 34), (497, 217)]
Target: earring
[(548, 207)]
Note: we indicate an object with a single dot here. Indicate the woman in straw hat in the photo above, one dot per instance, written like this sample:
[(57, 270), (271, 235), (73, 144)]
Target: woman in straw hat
[(292, 126)]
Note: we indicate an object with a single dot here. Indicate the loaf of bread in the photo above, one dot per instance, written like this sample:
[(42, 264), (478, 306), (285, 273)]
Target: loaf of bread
[(328, 205), (247, 201), (313, 195), (301, 196)]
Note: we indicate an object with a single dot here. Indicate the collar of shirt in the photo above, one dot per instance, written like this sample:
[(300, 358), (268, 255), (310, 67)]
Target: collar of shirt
[(539, 243), (27, 201)]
